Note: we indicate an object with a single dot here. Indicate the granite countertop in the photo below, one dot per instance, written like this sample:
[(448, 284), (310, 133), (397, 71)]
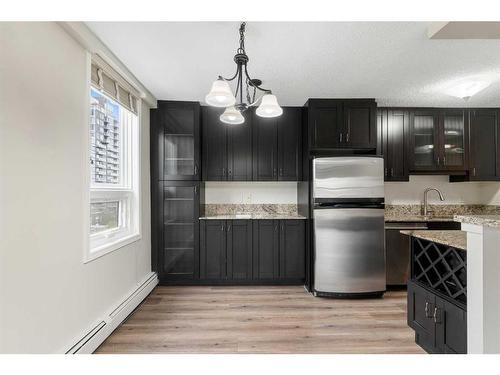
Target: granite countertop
[(485, 220), (259, 216), (453, 238), (405, 217)]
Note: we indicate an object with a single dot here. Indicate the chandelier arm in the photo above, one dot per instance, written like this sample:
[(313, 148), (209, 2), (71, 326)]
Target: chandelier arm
[(257, 87), (256, 100), (237, 84), (233, 77)]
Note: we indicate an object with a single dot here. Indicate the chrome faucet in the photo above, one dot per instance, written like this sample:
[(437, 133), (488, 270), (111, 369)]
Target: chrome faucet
[(426, 210)]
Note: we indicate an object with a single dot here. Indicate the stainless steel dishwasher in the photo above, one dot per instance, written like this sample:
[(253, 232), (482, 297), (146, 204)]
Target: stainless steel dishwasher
[(397, 248)]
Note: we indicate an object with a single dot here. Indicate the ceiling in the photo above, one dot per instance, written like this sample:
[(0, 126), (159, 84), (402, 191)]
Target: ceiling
[(395, 63)]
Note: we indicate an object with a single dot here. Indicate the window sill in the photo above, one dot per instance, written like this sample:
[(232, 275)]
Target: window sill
[(100, 251)]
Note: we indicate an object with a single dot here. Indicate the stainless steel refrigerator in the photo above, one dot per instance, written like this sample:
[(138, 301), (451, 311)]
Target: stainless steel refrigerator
[(348, 216)]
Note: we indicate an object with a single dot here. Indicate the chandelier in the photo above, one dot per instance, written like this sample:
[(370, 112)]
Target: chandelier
[(221, 94)]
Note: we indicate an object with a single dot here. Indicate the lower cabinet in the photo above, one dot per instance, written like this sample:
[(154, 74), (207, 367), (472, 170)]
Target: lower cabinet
[(440, 326), (252, 251)]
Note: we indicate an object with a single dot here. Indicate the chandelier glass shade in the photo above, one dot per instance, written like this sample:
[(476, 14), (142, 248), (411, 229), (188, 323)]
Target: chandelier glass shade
[(246, 91), (232, 116)]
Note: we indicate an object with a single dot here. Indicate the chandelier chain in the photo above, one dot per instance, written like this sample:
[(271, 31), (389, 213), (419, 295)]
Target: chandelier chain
[(242, 38)]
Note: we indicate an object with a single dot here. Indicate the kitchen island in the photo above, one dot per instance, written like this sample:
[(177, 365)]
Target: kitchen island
[(483, 280), (437, 290)]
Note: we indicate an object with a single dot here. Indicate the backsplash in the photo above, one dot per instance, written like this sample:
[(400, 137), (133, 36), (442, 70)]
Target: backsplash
[(412, 192), (251, 192)]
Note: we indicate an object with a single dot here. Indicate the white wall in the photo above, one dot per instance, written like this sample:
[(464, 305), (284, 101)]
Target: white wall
[(454, 192), (48, 297), (251, 192)]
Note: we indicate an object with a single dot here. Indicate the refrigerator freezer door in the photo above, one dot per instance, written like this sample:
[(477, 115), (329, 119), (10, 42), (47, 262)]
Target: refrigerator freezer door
[(348, 177), (349, 250)]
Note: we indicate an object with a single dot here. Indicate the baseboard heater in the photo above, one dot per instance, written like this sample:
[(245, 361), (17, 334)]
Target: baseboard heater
[(89, 336), (90, 341)]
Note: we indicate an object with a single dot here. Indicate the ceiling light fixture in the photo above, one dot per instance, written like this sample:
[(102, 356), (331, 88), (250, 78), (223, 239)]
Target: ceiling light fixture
[(221, 95)]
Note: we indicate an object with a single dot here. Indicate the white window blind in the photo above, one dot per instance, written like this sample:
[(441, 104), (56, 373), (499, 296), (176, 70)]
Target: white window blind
[(105, 78)]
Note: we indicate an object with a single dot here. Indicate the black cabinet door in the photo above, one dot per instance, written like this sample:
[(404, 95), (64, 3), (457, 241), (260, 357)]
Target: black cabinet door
[(212, 249), (397, 129), (451, 327), (452, 136), (176, 140), (424, 145), (483, 133), (265, 149), (325, 124), (179, 236), (360, 124), (239, 150), (239, 249), (265, 249), (214, 145), (421, 304), (289, 144), (292, 249)]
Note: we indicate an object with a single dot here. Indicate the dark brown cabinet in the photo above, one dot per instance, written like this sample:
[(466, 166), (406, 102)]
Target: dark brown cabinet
[(225, 250), (266, 249), (438, 140), (239, 249), (484, 145), (440, 326), (277, 146), (256, 251), (175, 141), (394, 125), (292, 249), (178, 235), (279, 249), (227, 149), (342, 123)]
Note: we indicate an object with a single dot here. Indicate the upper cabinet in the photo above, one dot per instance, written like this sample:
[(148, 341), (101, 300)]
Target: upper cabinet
[(438, 140), (336, 123), (484, 145), (227, 149), (260, 149), (394, 125), (277, 146), (175, 141)]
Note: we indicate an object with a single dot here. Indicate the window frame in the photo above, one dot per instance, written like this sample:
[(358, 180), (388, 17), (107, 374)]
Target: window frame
[(128, 193)]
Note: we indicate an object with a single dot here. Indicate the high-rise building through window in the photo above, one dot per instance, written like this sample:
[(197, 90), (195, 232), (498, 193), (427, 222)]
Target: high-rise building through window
[(105, 151)]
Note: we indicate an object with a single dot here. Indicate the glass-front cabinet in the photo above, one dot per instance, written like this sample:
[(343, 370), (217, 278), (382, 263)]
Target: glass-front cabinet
[(453, 146), (180, 213), (177, 137), (438, 140)]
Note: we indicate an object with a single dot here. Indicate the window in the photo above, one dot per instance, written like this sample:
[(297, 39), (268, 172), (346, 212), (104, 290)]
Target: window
[(114, 195)]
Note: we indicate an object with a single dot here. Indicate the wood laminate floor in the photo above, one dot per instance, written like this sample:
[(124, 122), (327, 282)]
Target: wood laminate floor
[(276, 319)]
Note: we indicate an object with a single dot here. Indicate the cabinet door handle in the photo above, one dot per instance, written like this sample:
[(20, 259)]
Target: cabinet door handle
[(340, 138), (392, 171), (385, 172), (444, 160), (196, 190), (274, 172), (347, 137), (195, 169), (474, 171), (228, 227), (222, 227), (438, 160), (427, 310), (436, 316), (223, 171), (281, 171)]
